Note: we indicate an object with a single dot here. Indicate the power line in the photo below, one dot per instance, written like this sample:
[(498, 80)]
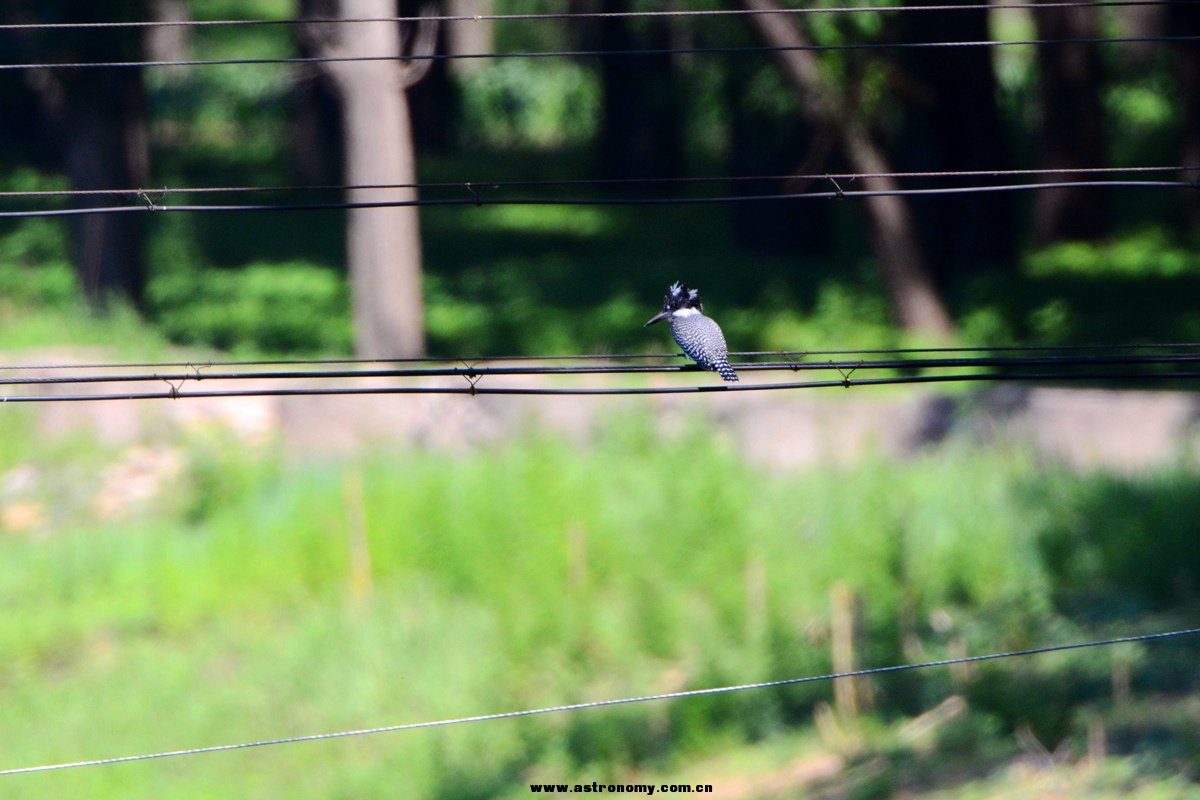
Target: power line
[(473, 388), (861, 673), (791, 355), (475, 372), (474, 187), (1065, 348), (479, 200), (189, 23), (602, 53)]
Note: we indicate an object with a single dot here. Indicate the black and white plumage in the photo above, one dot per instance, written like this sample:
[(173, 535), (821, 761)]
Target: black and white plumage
[(700, 337)]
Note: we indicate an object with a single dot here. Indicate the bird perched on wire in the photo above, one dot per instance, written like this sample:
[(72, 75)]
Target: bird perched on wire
[(700, 337)]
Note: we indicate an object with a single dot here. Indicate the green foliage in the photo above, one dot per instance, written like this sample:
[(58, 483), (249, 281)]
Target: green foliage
[(33, 268), (28, 179), (273, 308), (534, 574), (1015, 66), (518, 102), (843, 317), (1099, 542), (1141, 107), (229, 115), (1081, 293), (1052, 323), (40, 302), (1146, 254)]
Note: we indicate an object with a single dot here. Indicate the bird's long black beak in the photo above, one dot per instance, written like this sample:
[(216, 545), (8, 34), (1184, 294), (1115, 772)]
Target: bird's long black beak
[(657, 318)]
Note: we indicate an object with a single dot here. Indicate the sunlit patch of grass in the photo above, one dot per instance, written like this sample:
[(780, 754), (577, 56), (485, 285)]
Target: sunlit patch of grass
[(119, 331), (574, 221)]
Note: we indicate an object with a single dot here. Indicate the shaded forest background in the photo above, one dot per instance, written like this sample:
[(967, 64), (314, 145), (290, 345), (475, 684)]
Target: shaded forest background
[(1054, 266)]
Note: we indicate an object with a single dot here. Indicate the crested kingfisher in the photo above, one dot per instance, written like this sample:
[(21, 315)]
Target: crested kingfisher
[(700, 337)]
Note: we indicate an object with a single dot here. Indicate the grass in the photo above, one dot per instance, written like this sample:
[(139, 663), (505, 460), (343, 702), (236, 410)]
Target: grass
[(231, 608)]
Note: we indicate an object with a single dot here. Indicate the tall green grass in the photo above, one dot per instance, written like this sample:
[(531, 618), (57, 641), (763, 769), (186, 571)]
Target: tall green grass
[(532, 574)]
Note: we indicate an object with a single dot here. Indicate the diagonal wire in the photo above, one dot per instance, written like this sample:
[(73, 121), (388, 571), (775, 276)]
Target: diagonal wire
[(605, 53), (478, 201), (189, 23), (1145, 637)]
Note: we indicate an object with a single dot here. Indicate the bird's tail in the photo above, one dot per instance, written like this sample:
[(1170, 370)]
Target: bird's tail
[(723, 369)]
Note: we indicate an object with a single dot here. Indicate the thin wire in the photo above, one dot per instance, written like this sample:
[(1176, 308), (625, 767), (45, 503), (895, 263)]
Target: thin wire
[(601, 53), (413, 360), (997, 348), (474, 371), (577, 201), (472, 360), (472, 388), (476, 186), (860, 673), (576, 15)]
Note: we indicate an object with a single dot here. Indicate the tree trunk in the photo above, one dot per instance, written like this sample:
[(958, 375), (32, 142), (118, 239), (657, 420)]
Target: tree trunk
[(433, 102), (95, 125), (1140, 22), (915, 301), (951, 122), (639, 132), (765, 142), (1072, 124), (169, 42), (1185, 17), (315, 149), (383, 245), (105, 147), (470, 36)]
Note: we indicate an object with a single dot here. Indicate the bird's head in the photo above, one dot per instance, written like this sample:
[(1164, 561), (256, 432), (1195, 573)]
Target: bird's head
[(679, 301)]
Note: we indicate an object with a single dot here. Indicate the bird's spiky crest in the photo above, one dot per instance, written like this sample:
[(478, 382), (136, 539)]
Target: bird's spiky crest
[(680, 296)]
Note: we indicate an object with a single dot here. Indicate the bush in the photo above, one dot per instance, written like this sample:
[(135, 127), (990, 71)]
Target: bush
[(275, 308), (518, 103), (1146, 254), (34, 268)]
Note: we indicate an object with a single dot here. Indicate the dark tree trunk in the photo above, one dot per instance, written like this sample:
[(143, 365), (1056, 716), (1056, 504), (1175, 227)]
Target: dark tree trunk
[(436, 103), (640, 129), (105, 147), (951, 122), (315, 128), (1185, 18), (1072, 124), (1139, 22), (96, 126), (763, 144), (432, 100), (916, 303), (23, 129)]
